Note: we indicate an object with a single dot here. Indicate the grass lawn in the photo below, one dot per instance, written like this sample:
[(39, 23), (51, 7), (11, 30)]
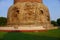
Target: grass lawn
[(49, 35)]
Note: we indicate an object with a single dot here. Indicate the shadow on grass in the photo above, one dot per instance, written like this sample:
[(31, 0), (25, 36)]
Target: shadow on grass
[(24, 36)]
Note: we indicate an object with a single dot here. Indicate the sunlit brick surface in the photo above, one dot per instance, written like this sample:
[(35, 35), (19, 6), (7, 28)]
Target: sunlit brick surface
[(15, 1)]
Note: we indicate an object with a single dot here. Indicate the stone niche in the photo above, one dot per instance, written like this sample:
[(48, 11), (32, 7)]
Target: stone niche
[(28, 13)]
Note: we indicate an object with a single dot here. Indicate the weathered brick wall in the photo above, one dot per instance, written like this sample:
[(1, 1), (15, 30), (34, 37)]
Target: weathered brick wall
[(15, 1), (28, 13)]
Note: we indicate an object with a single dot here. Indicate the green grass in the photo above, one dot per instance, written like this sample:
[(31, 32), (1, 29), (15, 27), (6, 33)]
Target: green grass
[(49, 35), (2, 34)]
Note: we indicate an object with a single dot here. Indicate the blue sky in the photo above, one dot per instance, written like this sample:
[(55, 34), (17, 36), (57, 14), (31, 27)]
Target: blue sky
[(53, 6)]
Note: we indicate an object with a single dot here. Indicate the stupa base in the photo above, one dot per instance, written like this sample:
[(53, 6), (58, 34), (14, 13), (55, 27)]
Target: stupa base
[(23, 29)]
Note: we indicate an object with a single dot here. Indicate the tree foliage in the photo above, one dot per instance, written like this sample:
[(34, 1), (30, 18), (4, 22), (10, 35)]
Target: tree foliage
[(3, 21), (58, 21), (54, 23)]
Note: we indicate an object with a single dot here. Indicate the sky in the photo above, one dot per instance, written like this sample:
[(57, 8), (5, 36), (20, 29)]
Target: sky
[(53, 6)]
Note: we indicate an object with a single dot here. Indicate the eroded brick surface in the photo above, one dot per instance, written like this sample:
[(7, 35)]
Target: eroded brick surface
[(15, 1), (28, 13)]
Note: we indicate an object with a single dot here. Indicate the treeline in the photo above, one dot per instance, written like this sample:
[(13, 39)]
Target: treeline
[(3, 21), (56, 23)]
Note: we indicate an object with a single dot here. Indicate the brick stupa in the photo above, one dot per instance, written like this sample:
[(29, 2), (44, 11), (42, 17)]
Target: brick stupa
[(28, 12)]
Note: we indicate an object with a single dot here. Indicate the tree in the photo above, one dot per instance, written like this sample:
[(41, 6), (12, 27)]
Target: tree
[(54, 23), (58, 21), (3, 21)]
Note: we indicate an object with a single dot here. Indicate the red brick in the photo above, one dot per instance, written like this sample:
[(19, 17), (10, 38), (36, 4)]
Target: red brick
[(15, 1)]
